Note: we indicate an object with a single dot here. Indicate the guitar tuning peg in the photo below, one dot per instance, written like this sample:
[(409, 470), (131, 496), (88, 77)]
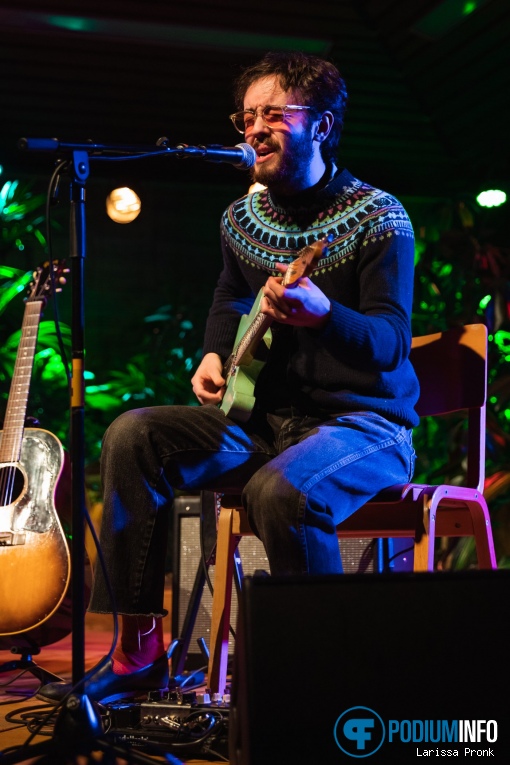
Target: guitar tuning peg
[(67, 271), (58, 289), (62, 280)]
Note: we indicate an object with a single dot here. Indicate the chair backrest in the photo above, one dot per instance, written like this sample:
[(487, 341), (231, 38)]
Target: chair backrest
[(452, 370)]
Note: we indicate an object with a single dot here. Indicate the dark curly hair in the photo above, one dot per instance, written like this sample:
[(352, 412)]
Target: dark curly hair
[(317, 82)]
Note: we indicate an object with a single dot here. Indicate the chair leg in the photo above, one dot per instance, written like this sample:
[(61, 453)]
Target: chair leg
[(485, 551), (424, 547), (220, 619), (424, 544)]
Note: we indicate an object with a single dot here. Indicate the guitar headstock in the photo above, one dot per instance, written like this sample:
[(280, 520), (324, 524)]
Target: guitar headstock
[(45, 277), (306, 260)]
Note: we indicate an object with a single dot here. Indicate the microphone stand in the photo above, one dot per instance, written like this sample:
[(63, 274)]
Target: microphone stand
[(80, 173), (78, 726)]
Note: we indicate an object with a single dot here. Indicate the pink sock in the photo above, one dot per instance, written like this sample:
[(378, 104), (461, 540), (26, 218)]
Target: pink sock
[(141, 643)]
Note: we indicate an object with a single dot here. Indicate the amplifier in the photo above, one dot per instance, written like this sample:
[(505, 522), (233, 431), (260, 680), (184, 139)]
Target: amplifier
[(194, 540), (194, 536)]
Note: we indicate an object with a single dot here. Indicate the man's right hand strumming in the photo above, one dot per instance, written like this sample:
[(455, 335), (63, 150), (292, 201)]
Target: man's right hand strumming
[(208, 382)]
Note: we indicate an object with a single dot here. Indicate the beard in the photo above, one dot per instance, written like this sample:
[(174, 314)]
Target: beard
[(289, 168)]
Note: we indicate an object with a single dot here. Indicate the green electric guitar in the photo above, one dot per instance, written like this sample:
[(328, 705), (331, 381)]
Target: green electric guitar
[(242, 369)]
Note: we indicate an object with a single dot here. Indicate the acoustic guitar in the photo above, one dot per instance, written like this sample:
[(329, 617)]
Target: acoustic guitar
[(35, 563), (242, 369)]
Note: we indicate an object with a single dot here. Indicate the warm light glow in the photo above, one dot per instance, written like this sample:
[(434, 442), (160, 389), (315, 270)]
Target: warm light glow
[(123, 205), (491, 198), (256, 187)]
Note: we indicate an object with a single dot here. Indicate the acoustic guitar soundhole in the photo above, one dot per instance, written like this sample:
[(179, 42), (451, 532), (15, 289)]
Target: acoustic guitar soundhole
[(12, 482)]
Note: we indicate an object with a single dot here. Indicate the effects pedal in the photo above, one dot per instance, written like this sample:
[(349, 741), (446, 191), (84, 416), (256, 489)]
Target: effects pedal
[(180, 722)]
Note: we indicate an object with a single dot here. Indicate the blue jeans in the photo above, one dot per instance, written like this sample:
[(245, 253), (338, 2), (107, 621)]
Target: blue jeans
[(300, 476)]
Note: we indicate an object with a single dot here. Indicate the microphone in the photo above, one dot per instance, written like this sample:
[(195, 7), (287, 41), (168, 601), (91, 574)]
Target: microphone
[(243, 156)]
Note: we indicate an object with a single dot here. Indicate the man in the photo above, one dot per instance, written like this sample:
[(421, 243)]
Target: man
[(334, 403)]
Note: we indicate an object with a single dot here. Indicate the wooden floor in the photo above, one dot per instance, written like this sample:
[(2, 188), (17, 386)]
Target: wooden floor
[(17, 689)]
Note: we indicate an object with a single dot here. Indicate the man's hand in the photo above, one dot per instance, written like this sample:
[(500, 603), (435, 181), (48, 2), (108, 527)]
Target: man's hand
[(208, 382), (302, 305)]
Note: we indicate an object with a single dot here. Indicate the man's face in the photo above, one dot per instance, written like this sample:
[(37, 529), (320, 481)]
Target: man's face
[(285, 152)]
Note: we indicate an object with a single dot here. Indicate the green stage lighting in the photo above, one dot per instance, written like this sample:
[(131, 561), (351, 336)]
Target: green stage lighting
[(491, 198)]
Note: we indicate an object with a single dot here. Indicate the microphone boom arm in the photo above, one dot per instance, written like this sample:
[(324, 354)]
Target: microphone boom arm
[(242, 155)]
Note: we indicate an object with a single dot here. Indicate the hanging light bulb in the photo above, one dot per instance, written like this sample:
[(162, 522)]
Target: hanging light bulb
[(123, 205)]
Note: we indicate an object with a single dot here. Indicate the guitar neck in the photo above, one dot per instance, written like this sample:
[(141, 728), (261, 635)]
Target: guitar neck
[(14, 423), (251, 338), (301, 266)]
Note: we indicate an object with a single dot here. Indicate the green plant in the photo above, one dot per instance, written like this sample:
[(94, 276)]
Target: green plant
[(21, 217), (158, 373), (462, 277)]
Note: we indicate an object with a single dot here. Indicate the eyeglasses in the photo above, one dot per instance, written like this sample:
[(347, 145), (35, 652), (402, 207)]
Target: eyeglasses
[(271, 115)]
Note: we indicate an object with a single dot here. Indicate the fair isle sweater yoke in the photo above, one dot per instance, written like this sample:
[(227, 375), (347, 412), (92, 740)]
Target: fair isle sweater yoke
[(359, 360)]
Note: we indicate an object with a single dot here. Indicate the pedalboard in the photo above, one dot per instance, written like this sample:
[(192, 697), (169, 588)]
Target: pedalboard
[(185, 723)]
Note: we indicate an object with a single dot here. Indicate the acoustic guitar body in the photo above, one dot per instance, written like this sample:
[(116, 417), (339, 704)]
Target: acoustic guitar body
[(35, 566)]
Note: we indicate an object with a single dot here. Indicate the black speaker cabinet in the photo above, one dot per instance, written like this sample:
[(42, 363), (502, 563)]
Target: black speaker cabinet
[(386, 668), (194, 539)]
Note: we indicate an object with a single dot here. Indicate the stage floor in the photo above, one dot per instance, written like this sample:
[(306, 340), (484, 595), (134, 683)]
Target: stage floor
[(17, 690)]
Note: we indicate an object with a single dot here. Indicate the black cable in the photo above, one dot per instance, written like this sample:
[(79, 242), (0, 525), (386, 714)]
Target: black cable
[(123, 158), (400, 552), (216, 722), (191, 676), (12, 715), (217, 754), (50, 196), (366, 557), (15, 693), (29, 720)]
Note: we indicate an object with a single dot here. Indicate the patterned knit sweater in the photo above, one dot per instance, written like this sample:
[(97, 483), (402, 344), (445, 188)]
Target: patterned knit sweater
[(359, 360)]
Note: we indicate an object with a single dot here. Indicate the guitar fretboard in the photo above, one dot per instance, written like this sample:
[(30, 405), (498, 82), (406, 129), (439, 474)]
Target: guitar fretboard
[(257, 328), (261, 323), (14, 423)]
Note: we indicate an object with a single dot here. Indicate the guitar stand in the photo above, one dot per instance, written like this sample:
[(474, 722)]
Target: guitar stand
[(26, 663)]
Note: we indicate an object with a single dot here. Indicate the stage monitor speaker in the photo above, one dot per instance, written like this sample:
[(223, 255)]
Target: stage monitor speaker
[(194, 540), (385, 668)]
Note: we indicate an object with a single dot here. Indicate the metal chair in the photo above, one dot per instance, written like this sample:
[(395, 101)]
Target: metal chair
[(452, 369)]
